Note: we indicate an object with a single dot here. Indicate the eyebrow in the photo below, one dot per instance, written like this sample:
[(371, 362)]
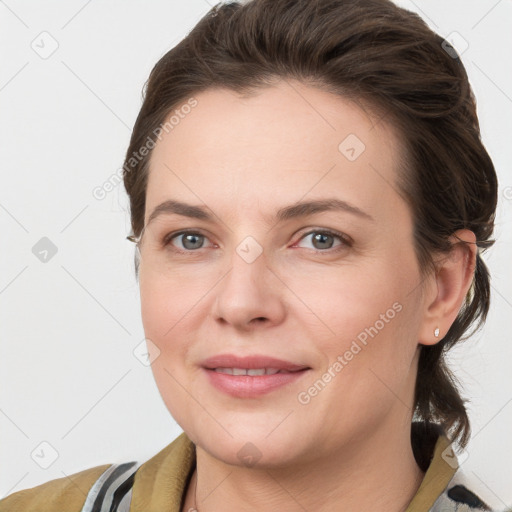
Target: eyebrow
[(297, 210)]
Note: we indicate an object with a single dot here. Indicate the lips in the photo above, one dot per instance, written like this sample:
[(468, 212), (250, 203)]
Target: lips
[(251, 363), (251, 376)]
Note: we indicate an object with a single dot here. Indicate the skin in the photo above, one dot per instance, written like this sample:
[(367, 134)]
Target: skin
[(244, 158)]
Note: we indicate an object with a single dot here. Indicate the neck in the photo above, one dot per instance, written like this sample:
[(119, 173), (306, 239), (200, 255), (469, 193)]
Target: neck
[(376, 472)]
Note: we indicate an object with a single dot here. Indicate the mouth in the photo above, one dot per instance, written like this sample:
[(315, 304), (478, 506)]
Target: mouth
[(250, 364), (253, 372), (254, 378)]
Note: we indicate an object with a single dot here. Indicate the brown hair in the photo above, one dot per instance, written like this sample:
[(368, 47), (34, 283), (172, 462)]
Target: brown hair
[(387, 57)]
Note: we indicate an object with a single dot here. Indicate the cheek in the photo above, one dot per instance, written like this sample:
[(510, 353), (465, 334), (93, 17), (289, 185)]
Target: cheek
[(166, 301), (368, 317), (166, 317), (344, 301), (164, 320), (171, 310)]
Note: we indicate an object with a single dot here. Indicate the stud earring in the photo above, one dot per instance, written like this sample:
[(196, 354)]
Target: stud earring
[(436, 332)]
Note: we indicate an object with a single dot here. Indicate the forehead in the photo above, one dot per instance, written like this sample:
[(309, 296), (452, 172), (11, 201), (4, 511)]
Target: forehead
[(275, 147)]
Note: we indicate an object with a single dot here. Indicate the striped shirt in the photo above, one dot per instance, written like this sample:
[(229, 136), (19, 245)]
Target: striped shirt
[(160, 485)]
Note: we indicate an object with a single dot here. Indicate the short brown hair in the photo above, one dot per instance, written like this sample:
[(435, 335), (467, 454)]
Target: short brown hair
[(387, 57)]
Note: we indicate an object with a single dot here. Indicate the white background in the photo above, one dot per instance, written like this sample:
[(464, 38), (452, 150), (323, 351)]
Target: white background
[(68, 376)]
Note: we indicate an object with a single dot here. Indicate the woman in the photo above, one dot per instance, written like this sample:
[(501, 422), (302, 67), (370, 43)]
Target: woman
[(309, 197)]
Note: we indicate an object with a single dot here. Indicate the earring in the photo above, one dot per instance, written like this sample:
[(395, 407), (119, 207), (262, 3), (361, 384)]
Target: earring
[(436, 332)]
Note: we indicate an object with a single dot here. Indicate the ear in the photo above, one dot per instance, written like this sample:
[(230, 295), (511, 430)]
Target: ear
[(449, 287)]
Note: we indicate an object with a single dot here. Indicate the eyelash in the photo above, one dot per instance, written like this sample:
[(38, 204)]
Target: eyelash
[(345, 240)]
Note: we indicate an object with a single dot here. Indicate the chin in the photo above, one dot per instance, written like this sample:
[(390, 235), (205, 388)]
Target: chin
[(250, 447), (261, 455)]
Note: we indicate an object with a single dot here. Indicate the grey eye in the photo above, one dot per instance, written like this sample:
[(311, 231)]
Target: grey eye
[(191, 240), (322, 241)]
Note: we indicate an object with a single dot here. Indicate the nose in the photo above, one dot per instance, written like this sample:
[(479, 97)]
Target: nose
[(250, 295)]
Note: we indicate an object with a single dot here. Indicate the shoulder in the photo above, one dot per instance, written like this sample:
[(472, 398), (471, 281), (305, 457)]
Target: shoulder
[(445, 486), (463, 492), (152, 485), (67, 493)]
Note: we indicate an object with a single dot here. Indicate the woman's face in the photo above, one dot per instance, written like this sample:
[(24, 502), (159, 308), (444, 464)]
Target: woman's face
[(332, 290)]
